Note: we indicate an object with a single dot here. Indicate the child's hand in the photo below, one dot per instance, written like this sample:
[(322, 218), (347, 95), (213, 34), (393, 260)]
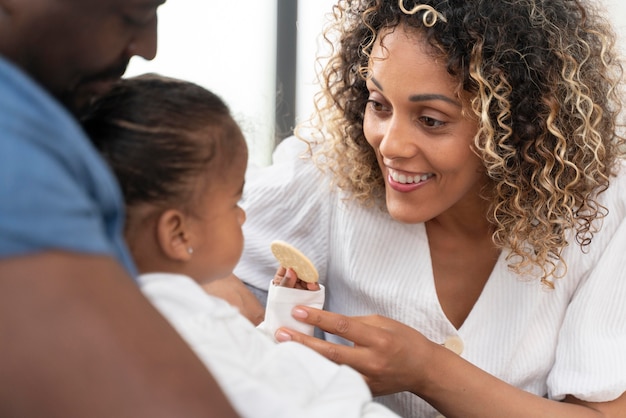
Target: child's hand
[(288, 278)]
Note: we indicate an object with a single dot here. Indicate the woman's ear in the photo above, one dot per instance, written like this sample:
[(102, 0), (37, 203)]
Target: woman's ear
[(173, 235)]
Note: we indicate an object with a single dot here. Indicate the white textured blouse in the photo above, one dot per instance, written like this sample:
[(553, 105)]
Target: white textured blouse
[(570, 340)]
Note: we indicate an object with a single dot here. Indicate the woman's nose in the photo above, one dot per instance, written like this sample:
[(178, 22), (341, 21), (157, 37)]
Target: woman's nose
[(399, 139)]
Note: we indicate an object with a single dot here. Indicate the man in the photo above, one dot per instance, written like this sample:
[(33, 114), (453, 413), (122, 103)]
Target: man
[(78, 339)]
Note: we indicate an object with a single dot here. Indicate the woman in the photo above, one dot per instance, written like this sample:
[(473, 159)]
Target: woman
[(476, 204)]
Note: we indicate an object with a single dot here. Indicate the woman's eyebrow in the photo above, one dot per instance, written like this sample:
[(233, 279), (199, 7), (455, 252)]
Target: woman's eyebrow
[(429, 97), (377, 84), (421, 97)]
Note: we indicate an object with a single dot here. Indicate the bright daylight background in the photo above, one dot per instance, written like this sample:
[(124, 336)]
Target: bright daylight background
[(230, 48)]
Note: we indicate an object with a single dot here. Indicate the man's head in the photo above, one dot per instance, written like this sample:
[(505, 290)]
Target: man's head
[(75, 48)]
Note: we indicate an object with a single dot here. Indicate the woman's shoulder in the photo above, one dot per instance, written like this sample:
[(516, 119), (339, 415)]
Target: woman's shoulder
[(290, 147), (292, 175)]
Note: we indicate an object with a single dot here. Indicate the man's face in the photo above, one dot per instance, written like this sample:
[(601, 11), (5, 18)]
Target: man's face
[(77, 48)]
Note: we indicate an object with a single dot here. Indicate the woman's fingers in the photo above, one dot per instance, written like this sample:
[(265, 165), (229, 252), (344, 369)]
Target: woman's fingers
[(340, 354), (354, 329), (386, 352)]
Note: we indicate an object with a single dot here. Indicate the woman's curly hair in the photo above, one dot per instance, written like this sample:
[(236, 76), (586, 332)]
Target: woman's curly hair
[(542, 77)]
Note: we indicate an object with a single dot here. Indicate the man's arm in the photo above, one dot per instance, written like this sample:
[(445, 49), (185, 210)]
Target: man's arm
[(79, 339)]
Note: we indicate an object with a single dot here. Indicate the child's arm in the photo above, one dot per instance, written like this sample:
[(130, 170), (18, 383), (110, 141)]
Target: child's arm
[(235, 292)]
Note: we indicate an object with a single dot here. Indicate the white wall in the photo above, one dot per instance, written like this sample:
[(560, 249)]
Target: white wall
[(228, 49), (313, 15), (231, 50), (616, 10)]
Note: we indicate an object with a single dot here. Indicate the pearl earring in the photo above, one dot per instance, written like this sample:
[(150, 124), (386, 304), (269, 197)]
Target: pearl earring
[(190, 250)]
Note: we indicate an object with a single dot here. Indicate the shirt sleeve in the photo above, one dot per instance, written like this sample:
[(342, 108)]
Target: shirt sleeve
[(280, 302), (43, 207), (590, 361), (55, 192), (287, 201)]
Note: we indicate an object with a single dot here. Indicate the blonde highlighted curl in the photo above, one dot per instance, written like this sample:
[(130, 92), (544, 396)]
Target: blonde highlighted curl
[(544, 83)]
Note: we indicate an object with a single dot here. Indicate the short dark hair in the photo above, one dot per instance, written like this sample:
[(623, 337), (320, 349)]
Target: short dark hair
[(160, 135)]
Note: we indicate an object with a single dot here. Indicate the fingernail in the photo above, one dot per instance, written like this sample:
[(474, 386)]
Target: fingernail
[(299, 313), (289, 274), (282, 336)]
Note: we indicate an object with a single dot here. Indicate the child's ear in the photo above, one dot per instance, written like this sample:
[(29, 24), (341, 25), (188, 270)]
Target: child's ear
[(173, 235)]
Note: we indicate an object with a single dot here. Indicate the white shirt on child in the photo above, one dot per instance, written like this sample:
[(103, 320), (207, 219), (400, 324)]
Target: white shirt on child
[(260, 377)]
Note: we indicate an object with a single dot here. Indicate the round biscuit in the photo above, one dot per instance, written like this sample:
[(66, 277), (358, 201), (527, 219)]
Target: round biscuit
[(290, 257)]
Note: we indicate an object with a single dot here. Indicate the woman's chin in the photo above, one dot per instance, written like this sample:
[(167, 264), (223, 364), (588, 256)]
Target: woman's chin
[(404, 214)]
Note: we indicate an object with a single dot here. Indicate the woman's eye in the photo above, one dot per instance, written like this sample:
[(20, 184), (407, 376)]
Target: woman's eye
[(376, 106), (430, 122)]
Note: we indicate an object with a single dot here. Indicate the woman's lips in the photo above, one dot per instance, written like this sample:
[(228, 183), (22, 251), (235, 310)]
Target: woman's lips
[(404, 182)]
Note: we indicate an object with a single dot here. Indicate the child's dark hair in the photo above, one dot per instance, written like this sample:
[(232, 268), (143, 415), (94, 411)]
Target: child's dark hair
[(161, 136)]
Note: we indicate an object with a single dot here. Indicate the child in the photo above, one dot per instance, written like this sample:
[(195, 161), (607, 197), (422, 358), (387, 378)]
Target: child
[(181, 158)]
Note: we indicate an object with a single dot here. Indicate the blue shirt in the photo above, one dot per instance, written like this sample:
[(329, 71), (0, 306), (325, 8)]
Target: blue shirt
[(56, 192)]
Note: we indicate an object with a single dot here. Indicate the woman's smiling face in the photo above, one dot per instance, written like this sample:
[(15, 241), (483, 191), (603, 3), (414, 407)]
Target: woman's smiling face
[(415, 122)]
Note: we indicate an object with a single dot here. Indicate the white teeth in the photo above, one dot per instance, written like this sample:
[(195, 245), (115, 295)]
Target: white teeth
[(404, 179)]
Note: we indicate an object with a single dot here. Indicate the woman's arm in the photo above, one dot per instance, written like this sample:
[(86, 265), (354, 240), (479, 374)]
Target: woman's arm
[(394, 357)]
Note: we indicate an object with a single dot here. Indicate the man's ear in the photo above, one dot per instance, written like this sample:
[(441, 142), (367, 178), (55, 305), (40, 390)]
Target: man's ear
[(173, 235)]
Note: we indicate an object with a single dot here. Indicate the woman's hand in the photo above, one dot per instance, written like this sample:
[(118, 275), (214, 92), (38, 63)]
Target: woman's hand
[(391, 356)]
